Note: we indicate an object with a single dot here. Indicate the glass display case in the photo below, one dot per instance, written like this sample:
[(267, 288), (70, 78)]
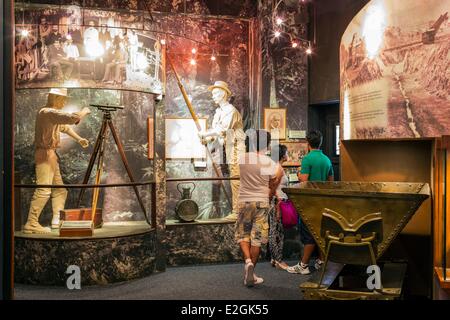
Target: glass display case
[(442, 212), (119, 207), (103, 60), (107, 58), (86, 82)]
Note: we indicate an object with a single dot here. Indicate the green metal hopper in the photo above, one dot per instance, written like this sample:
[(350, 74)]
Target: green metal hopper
[(355, 222)]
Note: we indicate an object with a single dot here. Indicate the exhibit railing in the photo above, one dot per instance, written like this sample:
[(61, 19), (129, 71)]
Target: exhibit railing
[(200, 179), (151, 222)]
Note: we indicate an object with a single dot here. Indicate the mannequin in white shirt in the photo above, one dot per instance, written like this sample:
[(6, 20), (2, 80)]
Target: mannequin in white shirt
[(227, 130), (70, 49)]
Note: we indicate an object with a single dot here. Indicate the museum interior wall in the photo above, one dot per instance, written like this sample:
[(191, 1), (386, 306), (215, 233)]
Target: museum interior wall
[(330, 20), (392, 82)]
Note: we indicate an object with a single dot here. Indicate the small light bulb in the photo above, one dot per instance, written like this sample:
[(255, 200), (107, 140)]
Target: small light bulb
[(193, 50), (193, 62), (213, 58), (309, 51), (294, 44), (279, 21), (24, 33), (277, 34), (163, 41)]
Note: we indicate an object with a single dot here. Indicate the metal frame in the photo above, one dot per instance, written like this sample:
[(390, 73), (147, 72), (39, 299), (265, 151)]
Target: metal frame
[(7, 159)]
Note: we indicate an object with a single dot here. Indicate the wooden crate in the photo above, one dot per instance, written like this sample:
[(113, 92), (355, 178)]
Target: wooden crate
[(81, 214)]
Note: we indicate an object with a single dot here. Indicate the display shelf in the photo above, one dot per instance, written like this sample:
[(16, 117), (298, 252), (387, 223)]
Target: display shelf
[(108, 230), (198, 222)]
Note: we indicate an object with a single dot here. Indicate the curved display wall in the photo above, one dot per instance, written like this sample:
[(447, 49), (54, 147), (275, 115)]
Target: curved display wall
[(394, 68)]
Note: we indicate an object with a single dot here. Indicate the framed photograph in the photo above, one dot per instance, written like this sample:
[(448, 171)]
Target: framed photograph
[(275, 122), (182, 141), (150, 139), (296, 151)]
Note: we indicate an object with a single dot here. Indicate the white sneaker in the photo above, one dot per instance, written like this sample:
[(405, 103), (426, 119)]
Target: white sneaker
[(299, 268), (249, 278), (258, 280), (318, 264)]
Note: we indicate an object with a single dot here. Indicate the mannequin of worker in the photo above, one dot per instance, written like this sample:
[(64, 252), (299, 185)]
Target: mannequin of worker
[(50, 121), (227, 130)]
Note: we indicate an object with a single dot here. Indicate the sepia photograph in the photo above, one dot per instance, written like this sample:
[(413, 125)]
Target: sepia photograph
[(296, 151), (65, 47), (275, 122), (394, 70)]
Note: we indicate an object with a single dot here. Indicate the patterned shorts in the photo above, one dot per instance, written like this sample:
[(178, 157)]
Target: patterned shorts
[(252, 224)]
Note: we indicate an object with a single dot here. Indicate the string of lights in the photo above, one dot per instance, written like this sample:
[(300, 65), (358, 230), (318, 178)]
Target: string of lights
[(279, 25)]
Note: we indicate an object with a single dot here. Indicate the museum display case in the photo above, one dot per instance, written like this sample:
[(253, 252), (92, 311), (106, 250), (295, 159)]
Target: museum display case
[(143, 176), (87, 81)]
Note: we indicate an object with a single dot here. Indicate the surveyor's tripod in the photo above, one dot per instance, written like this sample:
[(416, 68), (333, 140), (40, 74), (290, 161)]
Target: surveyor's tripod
[(99, 151)]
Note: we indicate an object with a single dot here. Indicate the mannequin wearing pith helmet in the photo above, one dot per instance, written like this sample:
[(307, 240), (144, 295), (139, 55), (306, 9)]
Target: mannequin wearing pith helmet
[(50, 121), (227, 130)]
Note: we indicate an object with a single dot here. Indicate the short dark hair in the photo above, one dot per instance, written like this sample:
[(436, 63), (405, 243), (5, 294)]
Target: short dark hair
[(282, 151), (257, 140), (278, 152), (314, 138)]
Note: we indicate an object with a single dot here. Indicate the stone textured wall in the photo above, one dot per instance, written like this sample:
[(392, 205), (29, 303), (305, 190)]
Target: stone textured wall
[(284, 69), (201, 243), (101, 261), (194, 243)]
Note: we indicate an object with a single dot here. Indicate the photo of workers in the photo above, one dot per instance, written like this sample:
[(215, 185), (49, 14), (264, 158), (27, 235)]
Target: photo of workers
[(65, 47)]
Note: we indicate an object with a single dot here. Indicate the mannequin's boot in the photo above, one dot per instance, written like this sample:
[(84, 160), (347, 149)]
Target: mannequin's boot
[(33, 226), (55, 221)]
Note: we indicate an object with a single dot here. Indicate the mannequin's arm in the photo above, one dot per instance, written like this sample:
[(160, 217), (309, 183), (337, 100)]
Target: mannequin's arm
[(213, 132), (71, 133)]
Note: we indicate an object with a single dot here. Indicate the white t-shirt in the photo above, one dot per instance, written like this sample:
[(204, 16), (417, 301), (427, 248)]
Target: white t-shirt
[(284, 183), (255, 172)]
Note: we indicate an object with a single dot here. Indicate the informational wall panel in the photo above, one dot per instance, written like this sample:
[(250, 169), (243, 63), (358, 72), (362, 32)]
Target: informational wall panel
[(394, 68)]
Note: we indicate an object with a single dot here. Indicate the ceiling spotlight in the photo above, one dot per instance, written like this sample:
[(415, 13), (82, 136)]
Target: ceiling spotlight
[(193, 50), (193, 62), (309, 50), (163, 41), (279, 21), (24, 33), (213, 58), (277, 33), (294, 44)]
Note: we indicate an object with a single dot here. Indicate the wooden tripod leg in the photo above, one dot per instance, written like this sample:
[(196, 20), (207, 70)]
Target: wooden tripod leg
[(98, 177), (127, 167), (98, 144)]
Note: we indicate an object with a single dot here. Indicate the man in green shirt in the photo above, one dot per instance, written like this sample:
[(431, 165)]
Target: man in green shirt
[(315, 167)]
